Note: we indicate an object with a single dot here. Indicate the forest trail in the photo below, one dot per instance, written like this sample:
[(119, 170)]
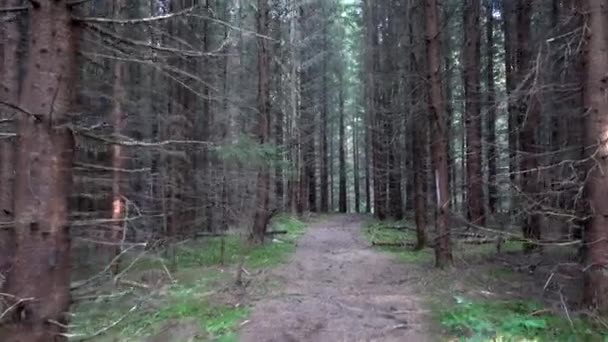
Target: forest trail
[(339, 289)]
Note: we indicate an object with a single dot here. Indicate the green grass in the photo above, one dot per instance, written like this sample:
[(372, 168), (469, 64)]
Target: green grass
[(199, 274), (380, 232), (513, 321)]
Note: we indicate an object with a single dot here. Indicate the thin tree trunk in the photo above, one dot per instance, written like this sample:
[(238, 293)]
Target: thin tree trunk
[(491, 120), (44, 157), (443, 246), (356, 175), (324, 195), (472, 62), (342, 148), (596, 103), (116, 117)]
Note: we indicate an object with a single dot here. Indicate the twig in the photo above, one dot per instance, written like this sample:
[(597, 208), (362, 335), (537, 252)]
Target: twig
[(561, 298), (83, 337), (10, 308)]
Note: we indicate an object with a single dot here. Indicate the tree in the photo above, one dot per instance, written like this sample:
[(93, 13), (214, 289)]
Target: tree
[(443, 247), (472, 62), (596, 125), (9, 95), (262, 214), (528, 121), (45, 149), (491, 102), (342, 204)]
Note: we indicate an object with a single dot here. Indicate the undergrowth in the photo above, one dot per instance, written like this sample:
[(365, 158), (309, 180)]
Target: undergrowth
[(494, 319), (513, 321), (201, 271)]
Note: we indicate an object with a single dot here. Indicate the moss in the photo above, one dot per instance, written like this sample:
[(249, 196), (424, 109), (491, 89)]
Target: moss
[(383, 232)]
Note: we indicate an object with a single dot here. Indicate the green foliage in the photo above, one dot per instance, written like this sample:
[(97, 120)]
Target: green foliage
[(512, 321), (381, 232), (248, 151), (197, 279)]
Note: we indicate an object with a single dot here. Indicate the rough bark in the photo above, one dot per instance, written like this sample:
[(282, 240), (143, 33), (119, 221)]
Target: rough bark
[(443, 247), (44, 154), (491, 103), (342, 205), (9, 93), (510, 71), (262, 214), (596, 104), (528, 122), (472, 62)]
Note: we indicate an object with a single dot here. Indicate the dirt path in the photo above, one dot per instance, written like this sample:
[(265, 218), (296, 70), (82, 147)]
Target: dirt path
[(338, 289)]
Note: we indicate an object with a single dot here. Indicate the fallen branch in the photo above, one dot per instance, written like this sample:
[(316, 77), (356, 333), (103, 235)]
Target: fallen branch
[(277, 232)]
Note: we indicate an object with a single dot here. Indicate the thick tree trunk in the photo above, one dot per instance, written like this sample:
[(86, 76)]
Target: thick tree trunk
[(9, 93), (45, 149), (472, 62), (443, 246), (528, 120), (262, 213), (491, 103), (595, 100)]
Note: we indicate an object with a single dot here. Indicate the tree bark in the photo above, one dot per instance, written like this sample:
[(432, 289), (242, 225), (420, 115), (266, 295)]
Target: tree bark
[(9, 93), (342, 205), (44, 153), (596, 104), (262, 214), (528, 121), (472, 62), (491, 103), (443, 246)]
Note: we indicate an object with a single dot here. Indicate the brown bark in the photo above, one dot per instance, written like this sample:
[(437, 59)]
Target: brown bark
[(471, 62), (596, 104), (44, 157), (356, 176), (528, 121), (262, 214), (342, 205), (9, 93), (443, 247), (491, 119), (420, 141)]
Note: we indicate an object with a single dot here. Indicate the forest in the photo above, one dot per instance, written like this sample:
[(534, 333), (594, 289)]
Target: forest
[(181, 170)]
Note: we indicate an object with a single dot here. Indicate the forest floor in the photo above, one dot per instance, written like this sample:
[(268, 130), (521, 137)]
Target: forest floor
[(337, 288)]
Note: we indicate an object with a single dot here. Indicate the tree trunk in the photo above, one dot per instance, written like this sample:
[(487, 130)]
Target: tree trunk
[(9, 93), (510, 72), (471, 62), (528, 120), (342, 148), (596, 103), (356, 176), (443, 247), (117, 120), (44, 157), (324, 195), (262, 214), (491, 120)]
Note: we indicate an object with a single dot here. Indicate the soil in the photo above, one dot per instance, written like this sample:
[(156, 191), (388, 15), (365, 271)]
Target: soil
[(339, 289)]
